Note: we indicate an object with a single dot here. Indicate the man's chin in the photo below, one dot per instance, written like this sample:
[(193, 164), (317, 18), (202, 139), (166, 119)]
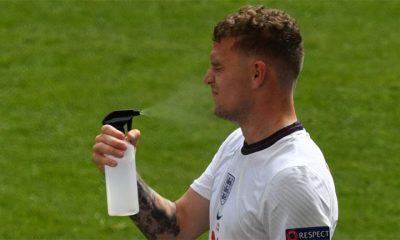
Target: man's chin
[(223, 114)]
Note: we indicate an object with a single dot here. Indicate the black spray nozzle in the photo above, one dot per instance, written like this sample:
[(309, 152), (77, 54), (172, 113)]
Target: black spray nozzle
[(119, 118)]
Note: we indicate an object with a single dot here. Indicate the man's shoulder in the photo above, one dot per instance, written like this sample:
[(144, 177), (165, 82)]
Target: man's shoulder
[(232, 143), (234, 138), (236, 135)]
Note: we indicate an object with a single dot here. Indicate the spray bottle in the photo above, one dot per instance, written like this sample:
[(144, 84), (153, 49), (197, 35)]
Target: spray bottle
[(121, 185)]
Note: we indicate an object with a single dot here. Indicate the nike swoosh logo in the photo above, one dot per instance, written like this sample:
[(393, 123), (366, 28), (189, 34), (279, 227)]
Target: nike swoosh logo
[(218, 216)]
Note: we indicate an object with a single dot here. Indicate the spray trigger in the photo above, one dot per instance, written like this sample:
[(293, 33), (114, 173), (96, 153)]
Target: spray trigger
[(119, 118)]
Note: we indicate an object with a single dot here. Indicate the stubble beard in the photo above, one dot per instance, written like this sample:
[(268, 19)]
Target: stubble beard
[(224, 114), (236, 115)]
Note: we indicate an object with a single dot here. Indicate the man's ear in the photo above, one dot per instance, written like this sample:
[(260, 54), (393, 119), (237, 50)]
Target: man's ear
[(259, 74)]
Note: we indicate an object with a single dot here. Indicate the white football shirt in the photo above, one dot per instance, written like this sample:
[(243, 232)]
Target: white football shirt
[(277, 189)]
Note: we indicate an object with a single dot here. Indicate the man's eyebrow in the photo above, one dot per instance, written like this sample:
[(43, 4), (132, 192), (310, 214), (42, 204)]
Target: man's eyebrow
[(214, 62)]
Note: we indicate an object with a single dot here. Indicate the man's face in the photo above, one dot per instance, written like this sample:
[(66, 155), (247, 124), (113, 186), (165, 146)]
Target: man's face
[(229, 78)]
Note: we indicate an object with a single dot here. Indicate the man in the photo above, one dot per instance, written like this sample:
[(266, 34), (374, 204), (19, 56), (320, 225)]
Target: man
[(268, 180)]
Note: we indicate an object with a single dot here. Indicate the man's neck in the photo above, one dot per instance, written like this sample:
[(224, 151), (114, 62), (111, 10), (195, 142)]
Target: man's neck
[(265, 123)]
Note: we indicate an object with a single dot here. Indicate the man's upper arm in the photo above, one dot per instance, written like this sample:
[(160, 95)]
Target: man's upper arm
[(298, 200), (192, 212)]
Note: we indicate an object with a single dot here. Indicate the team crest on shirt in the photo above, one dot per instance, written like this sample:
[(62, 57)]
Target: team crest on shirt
[(226, 188)]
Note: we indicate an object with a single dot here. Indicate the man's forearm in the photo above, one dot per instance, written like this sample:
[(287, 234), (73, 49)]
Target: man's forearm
[(157, 215)]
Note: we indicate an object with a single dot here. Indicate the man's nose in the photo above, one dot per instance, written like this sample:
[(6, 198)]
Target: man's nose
[(208, 77)]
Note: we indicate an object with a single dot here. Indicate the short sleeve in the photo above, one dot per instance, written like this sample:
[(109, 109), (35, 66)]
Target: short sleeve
[(298, 199)]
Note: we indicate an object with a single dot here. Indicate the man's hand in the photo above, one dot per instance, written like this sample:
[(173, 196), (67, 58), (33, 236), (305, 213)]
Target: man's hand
[(158, 217), (112, 142)]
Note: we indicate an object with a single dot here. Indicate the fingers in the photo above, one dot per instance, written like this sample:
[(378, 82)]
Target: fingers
[(101, 161), (106, 149), (110, 130), (110, 142)]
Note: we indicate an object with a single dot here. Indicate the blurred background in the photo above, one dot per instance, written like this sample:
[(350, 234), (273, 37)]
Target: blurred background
[(65, 64)]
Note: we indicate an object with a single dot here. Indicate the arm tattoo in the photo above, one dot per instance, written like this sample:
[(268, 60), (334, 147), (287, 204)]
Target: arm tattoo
[(157, 215)]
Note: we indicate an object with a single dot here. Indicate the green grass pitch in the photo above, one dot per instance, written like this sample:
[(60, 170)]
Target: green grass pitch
[(65, 64)]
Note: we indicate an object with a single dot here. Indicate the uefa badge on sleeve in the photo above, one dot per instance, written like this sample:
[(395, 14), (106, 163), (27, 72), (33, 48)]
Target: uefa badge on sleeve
[(311, 233)]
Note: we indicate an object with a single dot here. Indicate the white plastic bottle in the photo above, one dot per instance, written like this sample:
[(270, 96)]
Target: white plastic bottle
[(121, 185)]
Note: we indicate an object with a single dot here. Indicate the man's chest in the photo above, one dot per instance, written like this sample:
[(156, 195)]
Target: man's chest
[(236, 205)]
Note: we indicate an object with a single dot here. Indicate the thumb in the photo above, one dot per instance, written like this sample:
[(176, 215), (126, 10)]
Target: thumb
[(133, 136)]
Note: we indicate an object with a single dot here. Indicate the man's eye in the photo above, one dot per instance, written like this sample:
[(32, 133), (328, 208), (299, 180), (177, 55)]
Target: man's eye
[(218, 69)]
